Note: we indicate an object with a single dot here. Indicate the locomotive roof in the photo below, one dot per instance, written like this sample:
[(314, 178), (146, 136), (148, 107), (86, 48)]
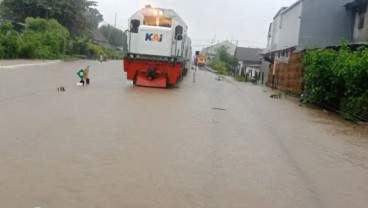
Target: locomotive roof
[(168, 13)]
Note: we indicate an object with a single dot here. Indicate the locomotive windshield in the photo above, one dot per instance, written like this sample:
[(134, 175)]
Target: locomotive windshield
[(157, 21), (165, 22), (150, 20)]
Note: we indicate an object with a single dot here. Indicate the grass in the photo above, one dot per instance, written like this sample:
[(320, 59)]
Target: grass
[(240, 79)]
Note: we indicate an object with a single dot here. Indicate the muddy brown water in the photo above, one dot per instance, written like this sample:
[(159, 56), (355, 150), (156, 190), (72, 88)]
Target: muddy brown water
[(111, 144)]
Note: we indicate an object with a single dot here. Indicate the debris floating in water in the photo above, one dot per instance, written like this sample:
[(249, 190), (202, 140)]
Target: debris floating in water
[(60, 89), (223, 109)]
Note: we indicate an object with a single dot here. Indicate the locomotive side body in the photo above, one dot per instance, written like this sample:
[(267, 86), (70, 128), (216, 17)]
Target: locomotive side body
[(159, 48)]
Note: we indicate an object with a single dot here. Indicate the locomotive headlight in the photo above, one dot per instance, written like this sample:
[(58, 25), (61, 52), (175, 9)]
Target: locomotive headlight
[(172, 60), (161, 13), (155, 12), (131, 56)]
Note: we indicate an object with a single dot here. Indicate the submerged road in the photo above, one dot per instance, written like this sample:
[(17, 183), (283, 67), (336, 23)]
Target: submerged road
[(205, 144)]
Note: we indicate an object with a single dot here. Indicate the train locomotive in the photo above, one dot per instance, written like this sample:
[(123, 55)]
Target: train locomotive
[(159, 49), (201, 60)]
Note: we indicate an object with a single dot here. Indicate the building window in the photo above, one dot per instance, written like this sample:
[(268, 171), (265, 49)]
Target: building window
[(361, 20)]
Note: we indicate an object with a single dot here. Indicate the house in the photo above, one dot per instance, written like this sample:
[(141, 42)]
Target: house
[(247, 57), (304, 24), (359, 13), (100, 39), (211, 51), (307, 23)]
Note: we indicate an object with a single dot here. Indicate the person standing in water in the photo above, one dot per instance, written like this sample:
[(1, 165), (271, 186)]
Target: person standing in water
[(86, 75)]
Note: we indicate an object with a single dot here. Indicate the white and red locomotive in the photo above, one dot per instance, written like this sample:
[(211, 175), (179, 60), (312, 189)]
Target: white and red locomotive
[(159, 49)]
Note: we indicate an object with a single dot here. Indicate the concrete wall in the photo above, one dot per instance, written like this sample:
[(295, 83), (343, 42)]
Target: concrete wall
[(325, 23), (275, 35), (265, 68), (285, 28), (290, 26), (288, 76), (269, 37)]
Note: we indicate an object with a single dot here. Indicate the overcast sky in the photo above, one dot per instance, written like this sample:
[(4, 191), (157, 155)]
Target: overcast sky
[(246, 21)]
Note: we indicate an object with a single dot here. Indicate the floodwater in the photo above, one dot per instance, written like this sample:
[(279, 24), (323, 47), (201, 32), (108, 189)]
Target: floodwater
[(203, 144)]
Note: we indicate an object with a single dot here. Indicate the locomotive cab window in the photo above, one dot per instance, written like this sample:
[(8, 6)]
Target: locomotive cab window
[(150, 21), (165, 22), (134, 25)]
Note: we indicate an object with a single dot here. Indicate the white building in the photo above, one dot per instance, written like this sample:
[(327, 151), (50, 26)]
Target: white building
[(285, 28), (308, 23), (211, 51)]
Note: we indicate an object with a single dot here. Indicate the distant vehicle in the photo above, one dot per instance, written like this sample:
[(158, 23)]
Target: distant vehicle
[(159, 49), (201, 60)]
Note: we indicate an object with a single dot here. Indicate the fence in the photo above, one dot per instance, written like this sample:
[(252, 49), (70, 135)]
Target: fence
[(287, 76)]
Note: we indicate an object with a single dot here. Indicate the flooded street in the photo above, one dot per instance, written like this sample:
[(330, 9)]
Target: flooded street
[(205, 144)]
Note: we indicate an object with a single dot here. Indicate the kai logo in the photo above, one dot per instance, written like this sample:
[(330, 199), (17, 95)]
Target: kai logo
[(154, 37)]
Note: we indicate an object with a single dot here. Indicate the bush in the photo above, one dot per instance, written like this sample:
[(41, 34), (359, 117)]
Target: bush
[(223, 61), (219, 66), (322, 85), (80, 45), (47, 39), (9, 41), (44, 39), (338, 79), (240, 78)]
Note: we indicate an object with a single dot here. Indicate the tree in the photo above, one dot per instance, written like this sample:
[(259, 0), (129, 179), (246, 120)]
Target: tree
[(226, 57), (69, 13), (115, 36), (93, 17), (223, 62)]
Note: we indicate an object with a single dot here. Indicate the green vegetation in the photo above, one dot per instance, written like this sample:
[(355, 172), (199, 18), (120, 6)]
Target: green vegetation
[(338, 80), (219, 66), (115, 36), (76, 15), (54, 29), (93, 17), (240, 78), (223, 61), (9, 45), (45, 39)]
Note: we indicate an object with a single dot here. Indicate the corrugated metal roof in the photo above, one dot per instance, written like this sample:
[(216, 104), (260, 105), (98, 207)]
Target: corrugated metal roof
[(99, 37), (248, 54), (168, 13), (356, 3)]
